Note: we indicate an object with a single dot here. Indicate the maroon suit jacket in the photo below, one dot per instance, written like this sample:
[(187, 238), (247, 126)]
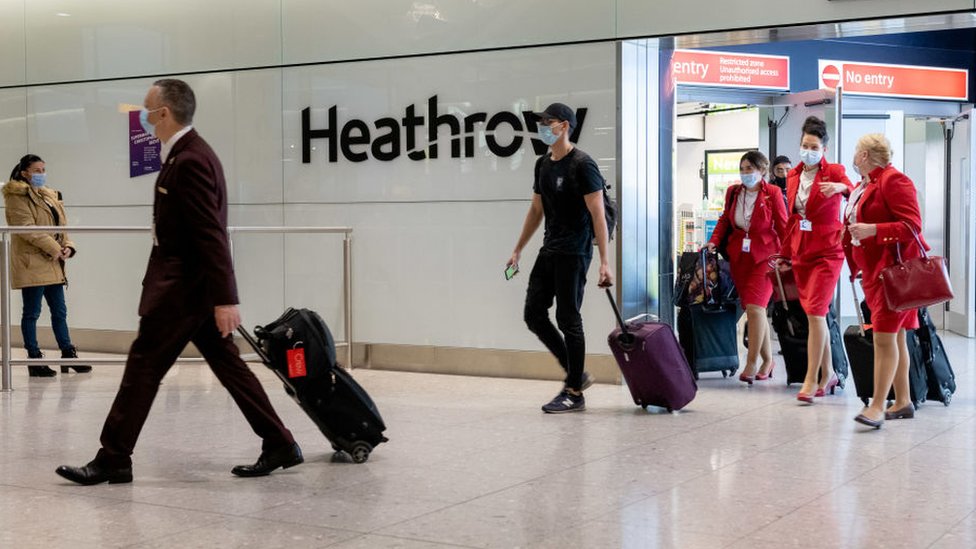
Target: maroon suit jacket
[(890, 201), (190, 269), (824, 213), (767, 228)]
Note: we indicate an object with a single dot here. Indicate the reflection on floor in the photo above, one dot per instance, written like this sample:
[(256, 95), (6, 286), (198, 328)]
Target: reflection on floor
[(472, 462)]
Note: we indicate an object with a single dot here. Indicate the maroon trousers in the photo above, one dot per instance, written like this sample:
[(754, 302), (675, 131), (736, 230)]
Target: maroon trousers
[(157, 346)]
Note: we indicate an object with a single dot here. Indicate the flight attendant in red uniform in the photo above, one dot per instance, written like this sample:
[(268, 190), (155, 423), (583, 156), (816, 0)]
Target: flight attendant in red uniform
[(752, 226), (814, 190), (883, 210)]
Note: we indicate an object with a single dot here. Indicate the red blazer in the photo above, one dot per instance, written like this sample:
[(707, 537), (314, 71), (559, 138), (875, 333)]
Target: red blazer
[(824, 213), (190, 268), (766, 229), (889, 200)]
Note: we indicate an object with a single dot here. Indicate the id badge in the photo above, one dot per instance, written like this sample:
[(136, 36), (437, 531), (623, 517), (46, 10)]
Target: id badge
[(746, 244), (296, 362), (806, 225)]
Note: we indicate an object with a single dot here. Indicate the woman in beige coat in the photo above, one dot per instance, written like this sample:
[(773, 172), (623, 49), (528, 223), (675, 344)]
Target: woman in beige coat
[(37, 259)]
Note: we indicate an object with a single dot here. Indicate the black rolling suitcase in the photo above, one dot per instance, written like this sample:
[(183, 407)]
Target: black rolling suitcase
[(941, 378), (708, 314), (792, 329), (859, 342), (299, 348)]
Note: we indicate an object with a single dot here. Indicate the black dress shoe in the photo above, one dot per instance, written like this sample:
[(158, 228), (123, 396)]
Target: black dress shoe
[(285, 457), (93, 473)]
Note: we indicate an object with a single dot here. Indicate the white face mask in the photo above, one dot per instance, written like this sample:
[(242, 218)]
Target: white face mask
[(810, 157), (750, 180)]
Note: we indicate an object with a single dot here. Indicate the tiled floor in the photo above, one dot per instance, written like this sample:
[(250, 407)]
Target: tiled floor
[(472, 462)]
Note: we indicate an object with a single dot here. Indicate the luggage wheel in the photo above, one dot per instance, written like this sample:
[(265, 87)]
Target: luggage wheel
[(866, 401), (360, 451), (725, 374), (946, 397)]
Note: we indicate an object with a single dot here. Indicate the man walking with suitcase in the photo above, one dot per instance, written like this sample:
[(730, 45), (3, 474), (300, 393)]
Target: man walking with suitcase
[(568, 194), (189, 294)]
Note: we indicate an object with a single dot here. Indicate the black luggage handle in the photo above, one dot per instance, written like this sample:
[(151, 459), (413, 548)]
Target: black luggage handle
[(626, 338), (857, 307), (254, 345)]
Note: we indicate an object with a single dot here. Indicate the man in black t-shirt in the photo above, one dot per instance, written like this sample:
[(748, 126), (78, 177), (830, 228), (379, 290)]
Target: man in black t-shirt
[(568, 194)]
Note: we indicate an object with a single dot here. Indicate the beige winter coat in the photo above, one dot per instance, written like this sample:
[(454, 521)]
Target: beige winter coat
[(33, 258)]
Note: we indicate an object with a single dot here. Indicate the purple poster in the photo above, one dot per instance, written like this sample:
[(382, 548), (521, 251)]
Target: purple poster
[(143, 148)]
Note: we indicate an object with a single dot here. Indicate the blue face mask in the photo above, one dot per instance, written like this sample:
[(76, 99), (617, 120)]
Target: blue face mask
[(750, 180), (146, 124), (38, 179), (546, 135), (809, 157)]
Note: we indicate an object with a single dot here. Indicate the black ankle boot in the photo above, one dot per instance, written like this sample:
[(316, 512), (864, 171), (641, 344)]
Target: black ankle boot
[(39, 371), (73, 353)]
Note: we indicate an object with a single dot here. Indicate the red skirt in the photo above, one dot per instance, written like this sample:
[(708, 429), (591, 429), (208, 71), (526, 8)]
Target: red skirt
[(883, 319), (754, 287), (816, 279)]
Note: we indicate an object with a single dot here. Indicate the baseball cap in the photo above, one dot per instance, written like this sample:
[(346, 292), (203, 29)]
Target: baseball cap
[(560, 112)]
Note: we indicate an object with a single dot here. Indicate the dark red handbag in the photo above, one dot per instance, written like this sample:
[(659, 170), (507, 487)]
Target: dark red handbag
[(919, 282)]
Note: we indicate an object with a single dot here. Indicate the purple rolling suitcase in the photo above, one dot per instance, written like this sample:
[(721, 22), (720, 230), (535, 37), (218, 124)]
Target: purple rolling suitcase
[(652, 362)]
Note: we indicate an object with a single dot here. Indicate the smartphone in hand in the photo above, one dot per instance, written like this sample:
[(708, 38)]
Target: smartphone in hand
[(511, 271)]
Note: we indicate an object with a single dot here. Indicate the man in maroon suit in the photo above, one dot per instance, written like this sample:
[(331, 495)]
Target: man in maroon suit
[(189, 294)]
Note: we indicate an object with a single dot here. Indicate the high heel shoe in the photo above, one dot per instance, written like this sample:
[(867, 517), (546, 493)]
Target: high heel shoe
[(768, 375), (831, 386), (73, 353), (39, 371), (805, 397), (746, 379)]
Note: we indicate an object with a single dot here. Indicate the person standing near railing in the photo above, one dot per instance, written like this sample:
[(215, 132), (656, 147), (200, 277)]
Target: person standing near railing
[(37, 259)]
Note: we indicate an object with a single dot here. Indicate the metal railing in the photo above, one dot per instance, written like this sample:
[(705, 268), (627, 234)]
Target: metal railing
[(5, 239)]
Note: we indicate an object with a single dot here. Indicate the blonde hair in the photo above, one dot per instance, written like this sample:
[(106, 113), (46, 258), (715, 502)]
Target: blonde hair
[(878, 148)]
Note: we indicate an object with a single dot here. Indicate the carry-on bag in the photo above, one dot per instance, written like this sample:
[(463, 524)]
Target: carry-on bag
[(299, 348), (859, 341), (652, 362), (714, 347), (792, 329), (941, 378)]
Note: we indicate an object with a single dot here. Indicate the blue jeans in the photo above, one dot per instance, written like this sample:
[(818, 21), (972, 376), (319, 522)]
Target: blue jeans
[(32, 311)]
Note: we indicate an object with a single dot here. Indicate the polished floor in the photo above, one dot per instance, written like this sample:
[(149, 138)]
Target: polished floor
[(472, 462)]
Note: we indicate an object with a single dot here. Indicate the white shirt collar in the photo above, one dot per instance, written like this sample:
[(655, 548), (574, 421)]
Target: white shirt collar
[(168, 145)]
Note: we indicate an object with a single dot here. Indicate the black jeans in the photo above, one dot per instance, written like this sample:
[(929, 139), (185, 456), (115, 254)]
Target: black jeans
[(562, 277)]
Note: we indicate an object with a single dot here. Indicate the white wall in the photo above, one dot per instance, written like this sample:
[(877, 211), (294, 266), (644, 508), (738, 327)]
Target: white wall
[(430, 237), (727, 130), (46, 41)]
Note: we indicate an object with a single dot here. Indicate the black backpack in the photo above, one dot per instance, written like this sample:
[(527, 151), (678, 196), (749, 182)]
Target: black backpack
[(609, 204)]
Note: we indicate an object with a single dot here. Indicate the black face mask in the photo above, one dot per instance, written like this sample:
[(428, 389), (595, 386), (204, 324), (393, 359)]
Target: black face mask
[(779, 181)]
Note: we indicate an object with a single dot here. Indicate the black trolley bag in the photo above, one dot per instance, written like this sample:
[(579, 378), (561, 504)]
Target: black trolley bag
[(941, 378), (299, 348), (859, 342), (707, 329), (652, 362), (792, 329)]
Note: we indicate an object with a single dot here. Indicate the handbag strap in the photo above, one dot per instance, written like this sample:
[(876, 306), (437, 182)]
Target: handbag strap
[(918, 241)]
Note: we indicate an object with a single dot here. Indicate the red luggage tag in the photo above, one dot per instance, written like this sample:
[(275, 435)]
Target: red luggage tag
[(296, 362)]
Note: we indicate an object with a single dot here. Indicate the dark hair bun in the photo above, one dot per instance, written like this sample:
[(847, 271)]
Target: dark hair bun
[(815, 127)]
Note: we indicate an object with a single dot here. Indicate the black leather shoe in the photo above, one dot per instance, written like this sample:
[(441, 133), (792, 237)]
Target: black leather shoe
[(94, 473), (73, 353), (286, 457), (40, 371), (865, 420)]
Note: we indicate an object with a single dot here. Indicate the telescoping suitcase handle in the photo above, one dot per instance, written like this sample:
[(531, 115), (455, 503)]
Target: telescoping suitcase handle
[(254, 344), (857, 307)]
